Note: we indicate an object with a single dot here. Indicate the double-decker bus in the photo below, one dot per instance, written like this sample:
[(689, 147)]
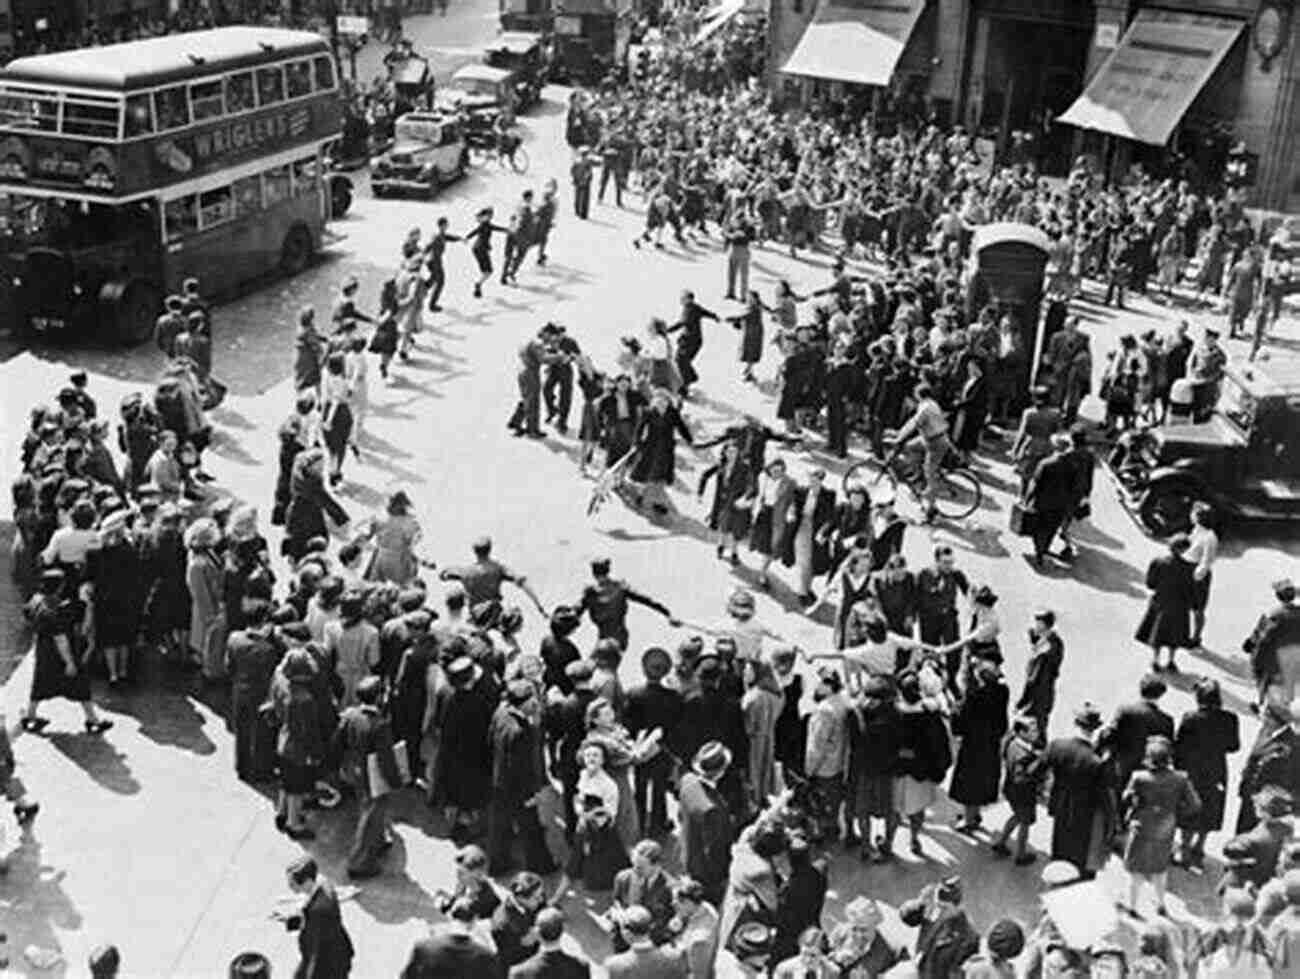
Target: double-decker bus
[(125, 169)]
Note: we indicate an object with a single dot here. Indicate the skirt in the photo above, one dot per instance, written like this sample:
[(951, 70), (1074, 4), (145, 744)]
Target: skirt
[(760, 534), (296, 779), (913, 796), (1201, 592)]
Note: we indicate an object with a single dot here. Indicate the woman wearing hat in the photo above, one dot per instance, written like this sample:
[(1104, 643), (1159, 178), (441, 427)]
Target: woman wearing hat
[(394, 538), (205, 580), (59, 665), (300, 744), (1156, 797)]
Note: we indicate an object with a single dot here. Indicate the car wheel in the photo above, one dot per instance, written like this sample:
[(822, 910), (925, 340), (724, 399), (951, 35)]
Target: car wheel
[(1167, 510), (137, 313), (295, 252)]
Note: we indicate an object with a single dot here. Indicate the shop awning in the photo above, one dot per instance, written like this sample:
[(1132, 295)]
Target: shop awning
[(1147, 84), (857, 41)]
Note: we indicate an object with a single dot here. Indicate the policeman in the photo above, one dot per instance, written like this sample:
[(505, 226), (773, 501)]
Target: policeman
[(170, 325), (581, 173), (606, 600), (1277, 628)]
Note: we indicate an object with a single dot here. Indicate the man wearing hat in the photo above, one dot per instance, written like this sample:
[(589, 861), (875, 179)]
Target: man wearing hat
[(169, 325), (651, 706), (1051, 495), (707, 829), (1274, 760), (643, 959), (517, 781), (606, 600), (1080, 800), (566, 727), (363, 733), (1277, 628), (946, 938)]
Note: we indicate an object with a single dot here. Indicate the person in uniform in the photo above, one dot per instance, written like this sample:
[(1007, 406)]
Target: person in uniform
[(526, 418), (557, 387), (482, 580), (170, 325), (692, 339), (1277, 628), (433, 262), (606, 600), (581, 174)]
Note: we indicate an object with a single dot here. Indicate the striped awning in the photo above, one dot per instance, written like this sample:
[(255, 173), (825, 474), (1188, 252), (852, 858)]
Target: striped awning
[(858, 41)]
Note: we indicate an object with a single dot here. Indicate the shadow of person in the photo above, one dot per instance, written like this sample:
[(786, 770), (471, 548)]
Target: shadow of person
[(1101, 571), (98, 758), (42, 911)]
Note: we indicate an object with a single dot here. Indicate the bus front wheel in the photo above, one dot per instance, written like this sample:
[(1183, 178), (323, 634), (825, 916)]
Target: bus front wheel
[(295, 253), (137, 312)]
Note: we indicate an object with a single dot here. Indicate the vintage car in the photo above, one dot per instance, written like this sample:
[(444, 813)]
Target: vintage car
[(428, 151), (523, 53), (1243, 457), (412, 79), (479, 90)]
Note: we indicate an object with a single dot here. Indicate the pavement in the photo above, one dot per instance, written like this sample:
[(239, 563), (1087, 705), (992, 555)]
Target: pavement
[(147, 840)]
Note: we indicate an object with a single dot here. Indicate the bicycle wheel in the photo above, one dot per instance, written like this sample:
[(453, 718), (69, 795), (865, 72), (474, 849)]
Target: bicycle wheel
[(868, 478), (958, 493), (519, 160)]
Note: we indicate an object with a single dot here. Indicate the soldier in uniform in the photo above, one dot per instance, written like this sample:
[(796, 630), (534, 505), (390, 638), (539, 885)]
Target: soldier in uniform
[(557, 389), (526, 419), (518, 238), (581, 173), (170, 325), (606, 600), (433, 251), (544, 219), (692, 338)]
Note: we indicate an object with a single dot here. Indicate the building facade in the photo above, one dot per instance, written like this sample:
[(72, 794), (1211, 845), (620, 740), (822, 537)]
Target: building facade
[(1180, 86)]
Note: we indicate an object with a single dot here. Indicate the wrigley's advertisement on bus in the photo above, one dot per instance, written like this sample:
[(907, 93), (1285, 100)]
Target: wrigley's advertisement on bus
[(150, 163)]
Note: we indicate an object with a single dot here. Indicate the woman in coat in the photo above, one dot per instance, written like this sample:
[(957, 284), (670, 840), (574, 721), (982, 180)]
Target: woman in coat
[(300, 743), (1033, 442), (808, 532), (753, 882), (924, 757), (204, 577), (981, 723), (761, 705), (1205, 738), (971, 408), (656, 438), (1167, 622), (1157, 798), (750, 325), (730, 512), (772, 501), (308, 353), (113, 573), (619, 413), (852, 519), (60, 669), (309, 502), (395, 538)]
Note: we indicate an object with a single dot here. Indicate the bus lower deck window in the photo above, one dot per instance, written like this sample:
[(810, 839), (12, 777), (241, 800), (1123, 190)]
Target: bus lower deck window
[(181, 217), (216, 207), (248, 195), (278, 185)]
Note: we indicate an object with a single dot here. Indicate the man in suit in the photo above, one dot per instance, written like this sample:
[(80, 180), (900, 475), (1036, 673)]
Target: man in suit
[(566, 723), (649, 706), (707, 829), (1047, 651), (643, 959), (517, 779), (1050, 495), (1276, 628), (551, 961), (364, 731), (1264, 842), (692, 339), (698, 938), (1133, 724), (946, 938), (1079, 793), (643, 885), (452, 950), (1274, 759), (324, 948)]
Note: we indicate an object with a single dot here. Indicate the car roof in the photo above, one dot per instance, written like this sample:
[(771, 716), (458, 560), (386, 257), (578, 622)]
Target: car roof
[(1000, 232), (482, 73), (1276, 376), (440, 118), (515, 42), (159, 60)]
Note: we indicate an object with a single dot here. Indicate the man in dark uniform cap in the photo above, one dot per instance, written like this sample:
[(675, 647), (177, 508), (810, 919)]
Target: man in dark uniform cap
[(653, 706), (606, 600)]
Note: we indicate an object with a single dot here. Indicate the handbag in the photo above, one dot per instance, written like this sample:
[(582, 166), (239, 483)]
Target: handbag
[(379, 785), (1022, 519)]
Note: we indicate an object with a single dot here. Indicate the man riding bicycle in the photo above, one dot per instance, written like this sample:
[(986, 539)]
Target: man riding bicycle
[(924, 437), (507, 140)]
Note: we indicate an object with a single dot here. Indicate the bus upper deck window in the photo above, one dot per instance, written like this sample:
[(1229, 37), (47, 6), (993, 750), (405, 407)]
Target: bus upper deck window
[(139, 116), (239, 92), (298, 76), (87, 118), (171, 108), (324, 72), (270, 85), (206, 101)]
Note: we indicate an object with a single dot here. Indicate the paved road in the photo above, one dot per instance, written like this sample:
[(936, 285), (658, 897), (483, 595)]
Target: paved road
[(153, 811)]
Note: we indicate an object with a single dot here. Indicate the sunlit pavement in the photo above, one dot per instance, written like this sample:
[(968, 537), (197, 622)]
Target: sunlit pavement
[(147, 840)]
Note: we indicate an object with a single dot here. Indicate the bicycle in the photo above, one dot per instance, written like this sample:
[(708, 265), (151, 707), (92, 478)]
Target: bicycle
[(958, 491), (481, 151)]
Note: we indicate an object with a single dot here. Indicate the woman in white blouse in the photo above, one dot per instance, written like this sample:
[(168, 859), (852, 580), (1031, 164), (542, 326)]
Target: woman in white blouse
[(1201, 553)]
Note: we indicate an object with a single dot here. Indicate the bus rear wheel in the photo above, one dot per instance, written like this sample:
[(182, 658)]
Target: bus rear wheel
[(295, 253), (137, 313)]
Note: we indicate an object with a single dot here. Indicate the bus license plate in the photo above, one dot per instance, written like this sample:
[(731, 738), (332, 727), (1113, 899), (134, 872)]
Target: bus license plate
[(47, 324)]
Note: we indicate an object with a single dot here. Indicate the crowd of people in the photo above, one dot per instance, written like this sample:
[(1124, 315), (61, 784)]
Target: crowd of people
[(348, 679)]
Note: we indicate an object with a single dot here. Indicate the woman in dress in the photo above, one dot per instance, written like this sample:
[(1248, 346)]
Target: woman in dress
[(872, 760), (1156, 798), (808, 532), (656, 440), (336, 415), (750, 324), (661, 370), (300, 745), (1033, 441), (352, 646), (981, 723), (733, 500), (619, 412), (1205, 738), (204, 577), (598, 852), (113, 574), (395, 537), (593, 386), (849, 586), (622, 751), (60, 669), (357, 374), (1166, 624), (852, 520), (1201, 552), (772, 515), (26, 517), (761, 705), (924, 756)]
